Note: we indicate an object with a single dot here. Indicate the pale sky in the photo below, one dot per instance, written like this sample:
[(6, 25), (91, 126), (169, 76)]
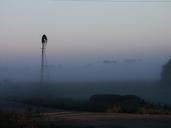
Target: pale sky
[(85, 32)]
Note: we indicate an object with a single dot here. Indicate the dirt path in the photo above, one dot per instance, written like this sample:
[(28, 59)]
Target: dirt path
[(108, 120)]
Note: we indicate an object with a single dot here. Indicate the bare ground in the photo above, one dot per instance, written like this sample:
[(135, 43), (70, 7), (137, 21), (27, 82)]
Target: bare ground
[(106, 120)]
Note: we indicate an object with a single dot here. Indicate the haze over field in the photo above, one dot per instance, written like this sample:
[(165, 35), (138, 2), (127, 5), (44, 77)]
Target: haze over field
[(87, 40)]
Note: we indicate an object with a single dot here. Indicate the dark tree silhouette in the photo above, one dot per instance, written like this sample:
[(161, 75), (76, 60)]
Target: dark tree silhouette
[(166, 73)]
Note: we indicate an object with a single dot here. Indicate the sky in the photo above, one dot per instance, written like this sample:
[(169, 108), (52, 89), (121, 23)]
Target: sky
[(83, 36)]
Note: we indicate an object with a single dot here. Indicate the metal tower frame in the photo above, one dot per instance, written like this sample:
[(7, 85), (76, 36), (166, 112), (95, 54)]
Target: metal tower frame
[(44, 75)]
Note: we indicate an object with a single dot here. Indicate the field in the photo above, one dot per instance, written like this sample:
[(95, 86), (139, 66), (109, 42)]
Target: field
[(42, 117), (51, 115), (106, 120)]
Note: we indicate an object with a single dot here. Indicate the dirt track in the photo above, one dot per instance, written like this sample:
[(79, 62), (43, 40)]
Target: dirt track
[(108, 120)]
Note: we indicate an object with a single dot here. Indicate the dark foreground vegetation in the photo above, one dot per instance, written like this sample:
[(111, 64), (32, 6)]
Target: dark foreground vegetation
[(126, 104), (12, 119)]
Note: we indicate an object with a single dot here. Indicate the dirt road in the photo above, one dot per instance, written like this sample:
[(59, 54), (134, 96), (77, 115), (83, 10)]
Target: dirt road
[(107, 120)]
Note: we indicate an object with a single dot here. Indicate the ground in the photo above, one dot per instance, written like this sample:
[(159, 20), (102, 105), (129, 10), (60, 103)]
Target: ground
[(106, 120), (55, 118)]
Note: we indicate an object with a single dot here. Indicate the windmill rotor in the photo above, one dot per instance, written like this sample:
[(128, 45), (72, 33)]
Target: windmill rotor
[(44, 41), (44, 68)]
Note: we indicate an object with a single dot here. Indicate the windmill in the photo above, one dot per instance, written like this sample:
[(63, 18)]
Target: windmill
[(44, 68)]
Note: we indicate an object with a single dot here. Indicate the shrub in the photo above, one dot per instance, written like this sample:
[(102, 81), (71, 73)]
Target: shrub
[(114, 109), (153, 110)]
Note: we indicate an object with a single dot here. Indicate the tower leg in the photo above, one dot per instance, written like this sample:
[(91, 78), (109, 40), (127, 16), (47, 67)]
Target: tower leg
[(42, 65)]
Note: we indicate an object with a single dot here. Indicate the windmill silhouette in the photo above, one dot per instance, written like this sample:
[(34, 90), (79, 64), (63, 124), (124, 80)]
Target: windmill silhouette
[(44, 75)]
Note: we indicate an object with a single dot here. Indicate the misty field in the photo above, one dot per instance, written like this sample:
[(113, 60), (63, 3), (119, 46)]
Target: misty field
[(151, 91), (65, 105)]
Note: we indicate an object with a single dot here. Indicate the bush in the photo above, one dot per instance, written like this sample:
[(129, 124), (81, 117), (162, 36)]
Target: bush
[(153, 110), (114, 109)]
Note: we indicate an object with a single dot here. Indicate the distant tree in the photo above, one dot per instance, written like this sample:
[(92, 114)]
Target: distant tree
[(166, 73)]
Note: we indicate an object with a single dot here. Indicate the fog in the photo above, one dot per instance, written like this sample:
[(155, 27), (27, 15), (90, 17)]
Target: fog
[(82, 36), (93, 43), (91, 71)]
